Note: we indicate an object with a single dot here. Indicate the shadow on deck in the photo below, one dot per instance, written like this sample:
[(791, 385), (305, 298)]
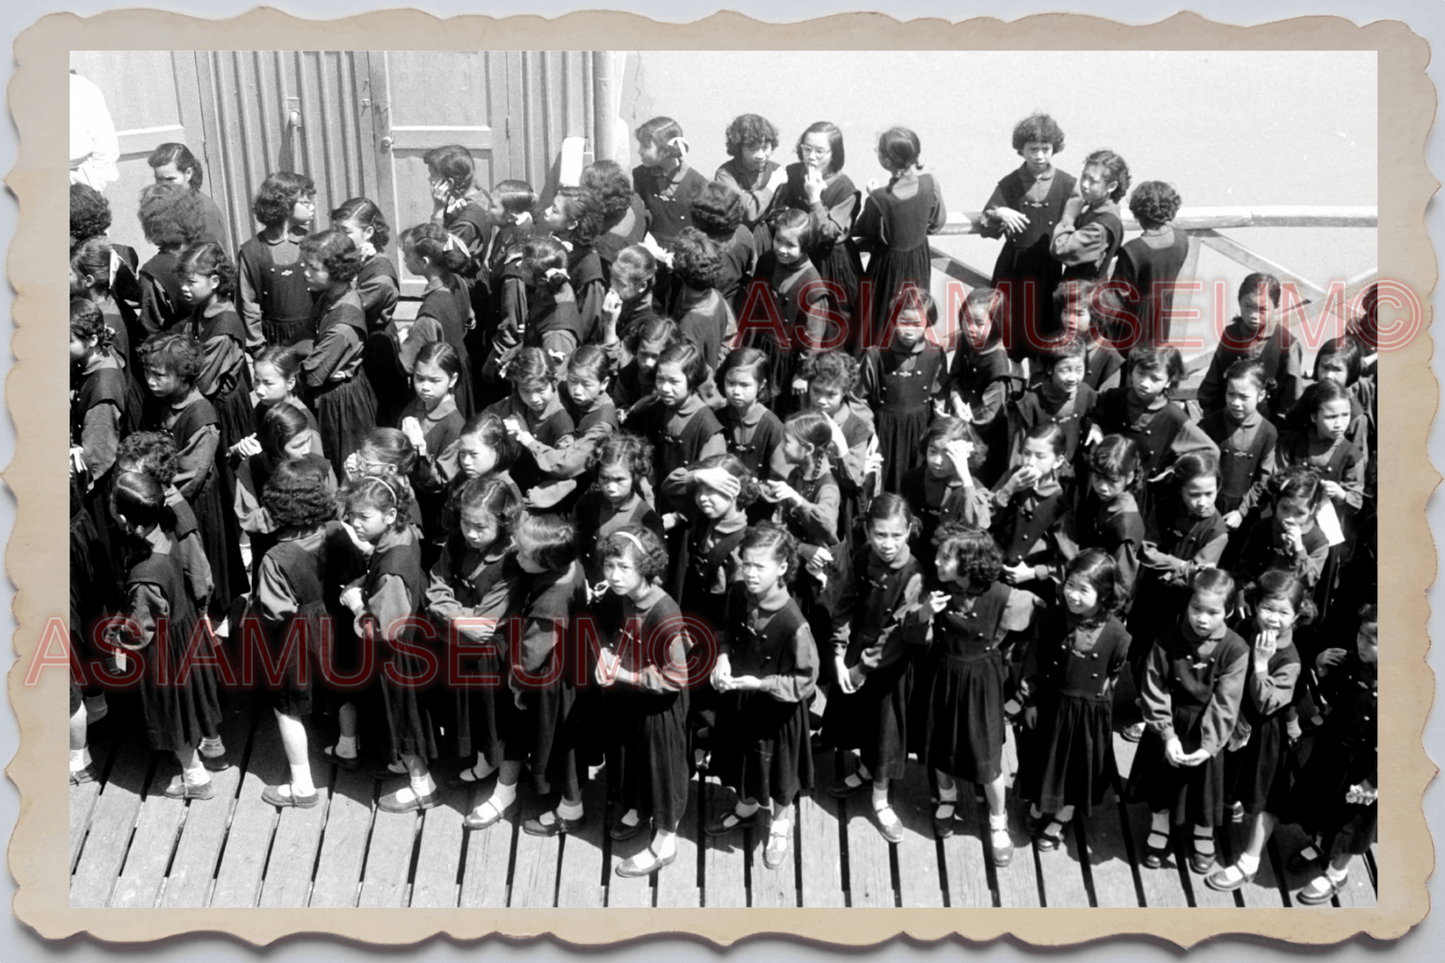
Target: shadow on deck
[(131, 846)]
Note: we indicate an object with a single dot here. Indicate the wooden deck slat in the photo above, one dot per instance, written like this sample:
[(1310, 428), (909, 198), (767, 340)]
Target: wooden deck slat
[(677, 884), (581, 880), (344, 840), (194, 867), (774, 888), (1264, 892), (488, 863), (156, 829), (111, 823), (388, 856), (534, 876), (1203, 895), (723, 882), (440, 852), (1061, 871), (1109, 864), (295, 845), (919, 882), (1163, 886), (1018, 882), (821, 881), (870, 864), (84, 796), (964, 863), (253, 822)]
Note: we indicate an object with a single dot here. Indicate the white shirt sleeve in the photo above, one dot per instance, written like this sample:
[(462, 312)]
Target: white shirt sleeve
[(94, 148)]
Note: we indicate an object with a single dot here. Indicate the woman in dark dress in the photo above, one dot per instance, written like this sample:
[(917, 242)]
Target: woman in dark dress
[(1151, 260)]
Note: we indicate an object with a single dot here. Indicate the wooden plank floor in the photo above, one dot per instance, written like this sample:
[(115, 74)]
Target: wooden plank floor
[(132, 846)]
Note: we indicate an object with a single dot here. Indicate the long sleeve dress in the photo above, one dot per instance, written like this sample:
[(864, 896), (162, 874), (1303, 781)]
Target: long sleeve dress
[(275, 302), (900, 385), (896, 228), (1255, 773), (1026, 259), (831, 221), (445, 315), (340, 392), (1147, 264)]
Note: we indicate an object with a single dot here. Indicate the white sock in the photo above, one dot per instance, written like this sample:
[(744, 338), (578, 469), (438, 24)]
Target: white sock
[(1159, 823), (746, 807), (422, 785), (1202, 845), (664, 844), (79, 759), (949, 795), (503, 796), (630, 818), (301, 784), (1247, 863), (782, 826), (566, 810), (197, 776), (999, 823), (482, 769), (1336, 875), (346, 747), (1064, 814)]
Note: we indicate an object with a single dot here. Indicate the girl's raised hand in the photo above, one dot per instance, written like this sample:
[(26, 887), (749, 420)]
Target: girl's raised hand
[(813, 185), (352, 466), (362, 545), (1014, 574), (718, 479), (412, 429), (671, 520), (1335, 490), (1329, 657), (1096, 435), (1031, 716), (1233, 520), (777, 180), (958, 453), (611, 306), (937, 601), (351, 598), (247, 447), (1265, 647)]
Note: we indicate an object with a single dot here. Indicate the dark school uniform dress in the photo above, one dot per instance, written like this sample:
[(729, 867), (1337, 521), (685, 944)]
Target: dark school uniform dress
[(938, 502), (1046, 405), (101, 413), (1036, 527), (392, 591), (739, 259), (596, 518), (1148, 263), (752, 187), (273, 286), (1088, 245), (1255, 773), (1103, 366), (880, 609), (178, 715), (161, 307), (896, 230), (297, 585), (467, 583), (650, 718), (1163, 433), (469, 220), (251, 475), (195, 428), (94, 593), (1265, 548), (753, 436), (1192, 691), (981, 379), (958, 724), (553, 322), (788, 293), (547, 732), (344, 402), (1177, 545), (584, 272), (815, 525), (1026, 259), (1280, 355), (833, 252), (225, 378), (1067, 759), (549, 426), (440, 429), (1345, 753), (900, 385), (445, 314), (667, 198), (1246, 459), (378, 286), (712, 555), (680, 437), (704, 318), (629, 229), (1116, 528), (760, 740)]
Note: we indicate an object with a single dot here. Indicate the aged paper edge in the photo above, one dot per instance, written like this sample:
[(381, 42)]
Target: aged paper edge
[(38, 564)]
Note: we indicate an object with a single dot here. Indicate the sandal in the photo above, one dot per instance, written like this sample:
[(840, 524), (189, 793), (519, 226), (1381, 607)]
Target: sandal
[(1228, 879), (722, 825), (944, 813), (1051, 837), (1156, 853), (488, 814), (1199, 861), (349, 763), (550, 823), (271, 795), (1322, 889), (406, 800), (776, 850), (633, 866)]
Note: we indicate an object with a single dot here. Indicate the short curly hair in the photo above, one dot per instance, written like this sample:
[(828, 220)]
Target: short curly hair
[(150, 452), (91, 258), (774, 539), (552, 537), (613, 186), (641, 544), (299, 493), (976, 553), (278, 194), (171, 215), (750, 130), (624, 448), (832, 370), (696, 260), (584, 207), (1154, 204), (209, 259), (337, 252), (89, 213), (748, 488), (173, 353), (87, 322), (717, 210), (1038, 127)]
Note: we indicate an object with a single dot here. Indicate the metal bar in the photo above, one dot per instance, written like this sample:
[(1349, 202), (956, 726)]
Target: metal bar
[(1202, 218), (1237, 252)]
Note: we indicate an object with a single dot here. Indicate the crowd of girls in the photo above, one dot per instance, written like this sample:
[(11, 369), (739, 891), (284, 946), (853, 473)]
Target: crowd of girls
[(695, 475)]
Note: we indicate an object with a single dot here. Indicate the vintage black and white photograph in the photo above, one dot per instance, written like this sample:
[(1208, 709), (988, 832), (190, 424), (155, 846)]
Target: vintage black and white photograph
[(723, 478)]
